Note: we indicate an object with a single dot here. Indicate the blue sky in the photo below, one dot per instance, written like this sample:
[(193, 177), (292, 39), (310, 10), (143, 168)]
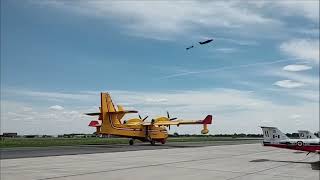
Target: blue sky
[(261, 69)]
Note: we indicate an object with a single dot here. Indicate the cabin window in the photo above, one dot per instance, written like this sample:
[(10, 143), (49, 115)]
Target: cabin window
[(278, 136), (273, 136)]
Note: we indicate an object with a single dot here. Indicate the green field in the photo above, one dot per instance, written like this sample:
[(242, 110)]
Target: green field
[(45, 142)]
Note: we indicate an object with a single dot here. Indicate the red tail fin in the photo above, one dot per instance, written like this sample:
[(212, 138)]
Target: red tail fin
[(207, 120)]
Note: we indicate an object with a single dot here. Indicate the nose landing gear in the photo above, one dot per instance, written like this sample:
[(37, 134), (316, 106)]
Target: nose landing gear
[(131, 142)]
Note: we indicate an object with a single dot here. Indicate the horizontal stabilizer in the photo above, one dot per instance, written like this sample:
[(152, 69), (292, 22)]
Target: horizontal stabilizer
[(97, 114), (130, 111), (93, 114)]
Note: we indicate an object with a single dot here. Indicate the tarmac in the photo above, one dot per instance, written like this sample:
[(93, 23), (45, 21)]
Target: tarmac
[(27, 152), (225, 162)]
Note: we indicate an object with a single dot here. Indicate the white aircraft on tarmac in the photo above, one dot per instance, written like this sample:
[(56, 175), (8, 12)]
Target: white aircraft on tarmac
[(272, 136)]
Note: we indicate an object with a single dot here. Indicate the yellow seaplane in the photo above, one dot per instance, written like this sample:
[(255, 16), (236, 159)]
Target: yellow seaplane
[(109, 122)]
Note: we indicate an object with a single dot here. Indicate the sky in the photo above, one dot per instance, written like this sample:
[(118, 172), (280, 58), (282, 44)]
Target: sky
[(262, 68)]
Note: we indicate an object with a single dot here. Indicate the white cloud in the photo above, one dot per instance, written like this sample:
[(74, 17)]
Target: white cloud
[(308, 79), (228, 107), (301, 94), (288, 84), (40, 120), (233, 41), (54, 96), (56, 107), (295, 116), (226, 50), (160, 100), (226, 68), (165, 20), (27, 108), (308, 31), (310, 95), (296, 67), (307, 49), (307, 9), (168, 20)]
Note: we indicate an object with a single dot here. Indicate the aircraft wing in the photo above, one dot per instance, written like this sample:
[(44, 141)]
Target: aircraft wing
[(163, 123), (167, 123), (207, 120)]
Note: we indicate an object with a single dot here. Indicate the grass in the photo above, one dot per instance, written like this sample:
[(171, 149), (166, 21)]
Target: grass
[(46, 142)]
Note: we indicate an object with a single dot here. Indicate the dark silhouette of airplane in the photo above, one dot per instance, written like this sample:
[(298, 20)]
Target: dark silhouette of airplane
[(205, 42), (201, 43), (189, 47)]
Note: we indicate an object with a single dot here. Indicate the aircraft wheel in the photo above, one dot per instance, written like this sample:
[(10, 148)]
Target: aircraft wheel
[(131, 142), (300, 143), (163, 141), (153, 142)]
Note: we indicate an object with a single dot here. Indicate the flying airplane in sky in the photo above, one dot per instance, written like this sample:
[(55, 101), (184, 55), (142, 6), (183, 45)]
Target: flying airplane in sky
[(109, 122), (272, 136), (201, 43), (189, 47), (205, 42), (304, 134)]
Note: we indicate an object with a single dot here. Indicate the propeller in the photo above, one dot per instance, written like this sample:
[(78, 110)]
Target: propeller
[(168, 116), (143, 118)]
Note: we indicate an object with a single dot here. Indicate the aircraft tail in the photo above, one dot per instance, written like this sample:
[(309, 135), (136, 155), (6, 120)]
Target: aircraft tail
[(108, 115), (272, 135), (304, 134)]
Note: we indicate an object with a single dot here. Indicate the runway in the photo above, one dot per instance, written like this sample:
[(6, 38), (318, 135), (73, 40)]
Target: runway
[(27, 152), (225, 162)]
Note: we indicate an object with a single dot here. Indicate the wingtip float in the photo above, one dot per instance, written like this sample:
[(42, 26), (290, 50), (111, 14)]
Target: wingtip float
[(109, 122)]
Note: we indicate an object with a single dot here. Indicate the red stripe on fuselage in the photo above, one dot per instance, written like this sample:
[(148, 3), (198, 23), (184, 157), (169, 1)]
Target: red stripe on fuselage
[(308, 148)]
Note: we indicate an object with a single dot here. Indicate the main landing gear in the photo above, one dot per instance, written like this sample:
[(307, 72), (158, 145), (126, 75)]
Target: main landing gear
[(152, 142), (163, 141)]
